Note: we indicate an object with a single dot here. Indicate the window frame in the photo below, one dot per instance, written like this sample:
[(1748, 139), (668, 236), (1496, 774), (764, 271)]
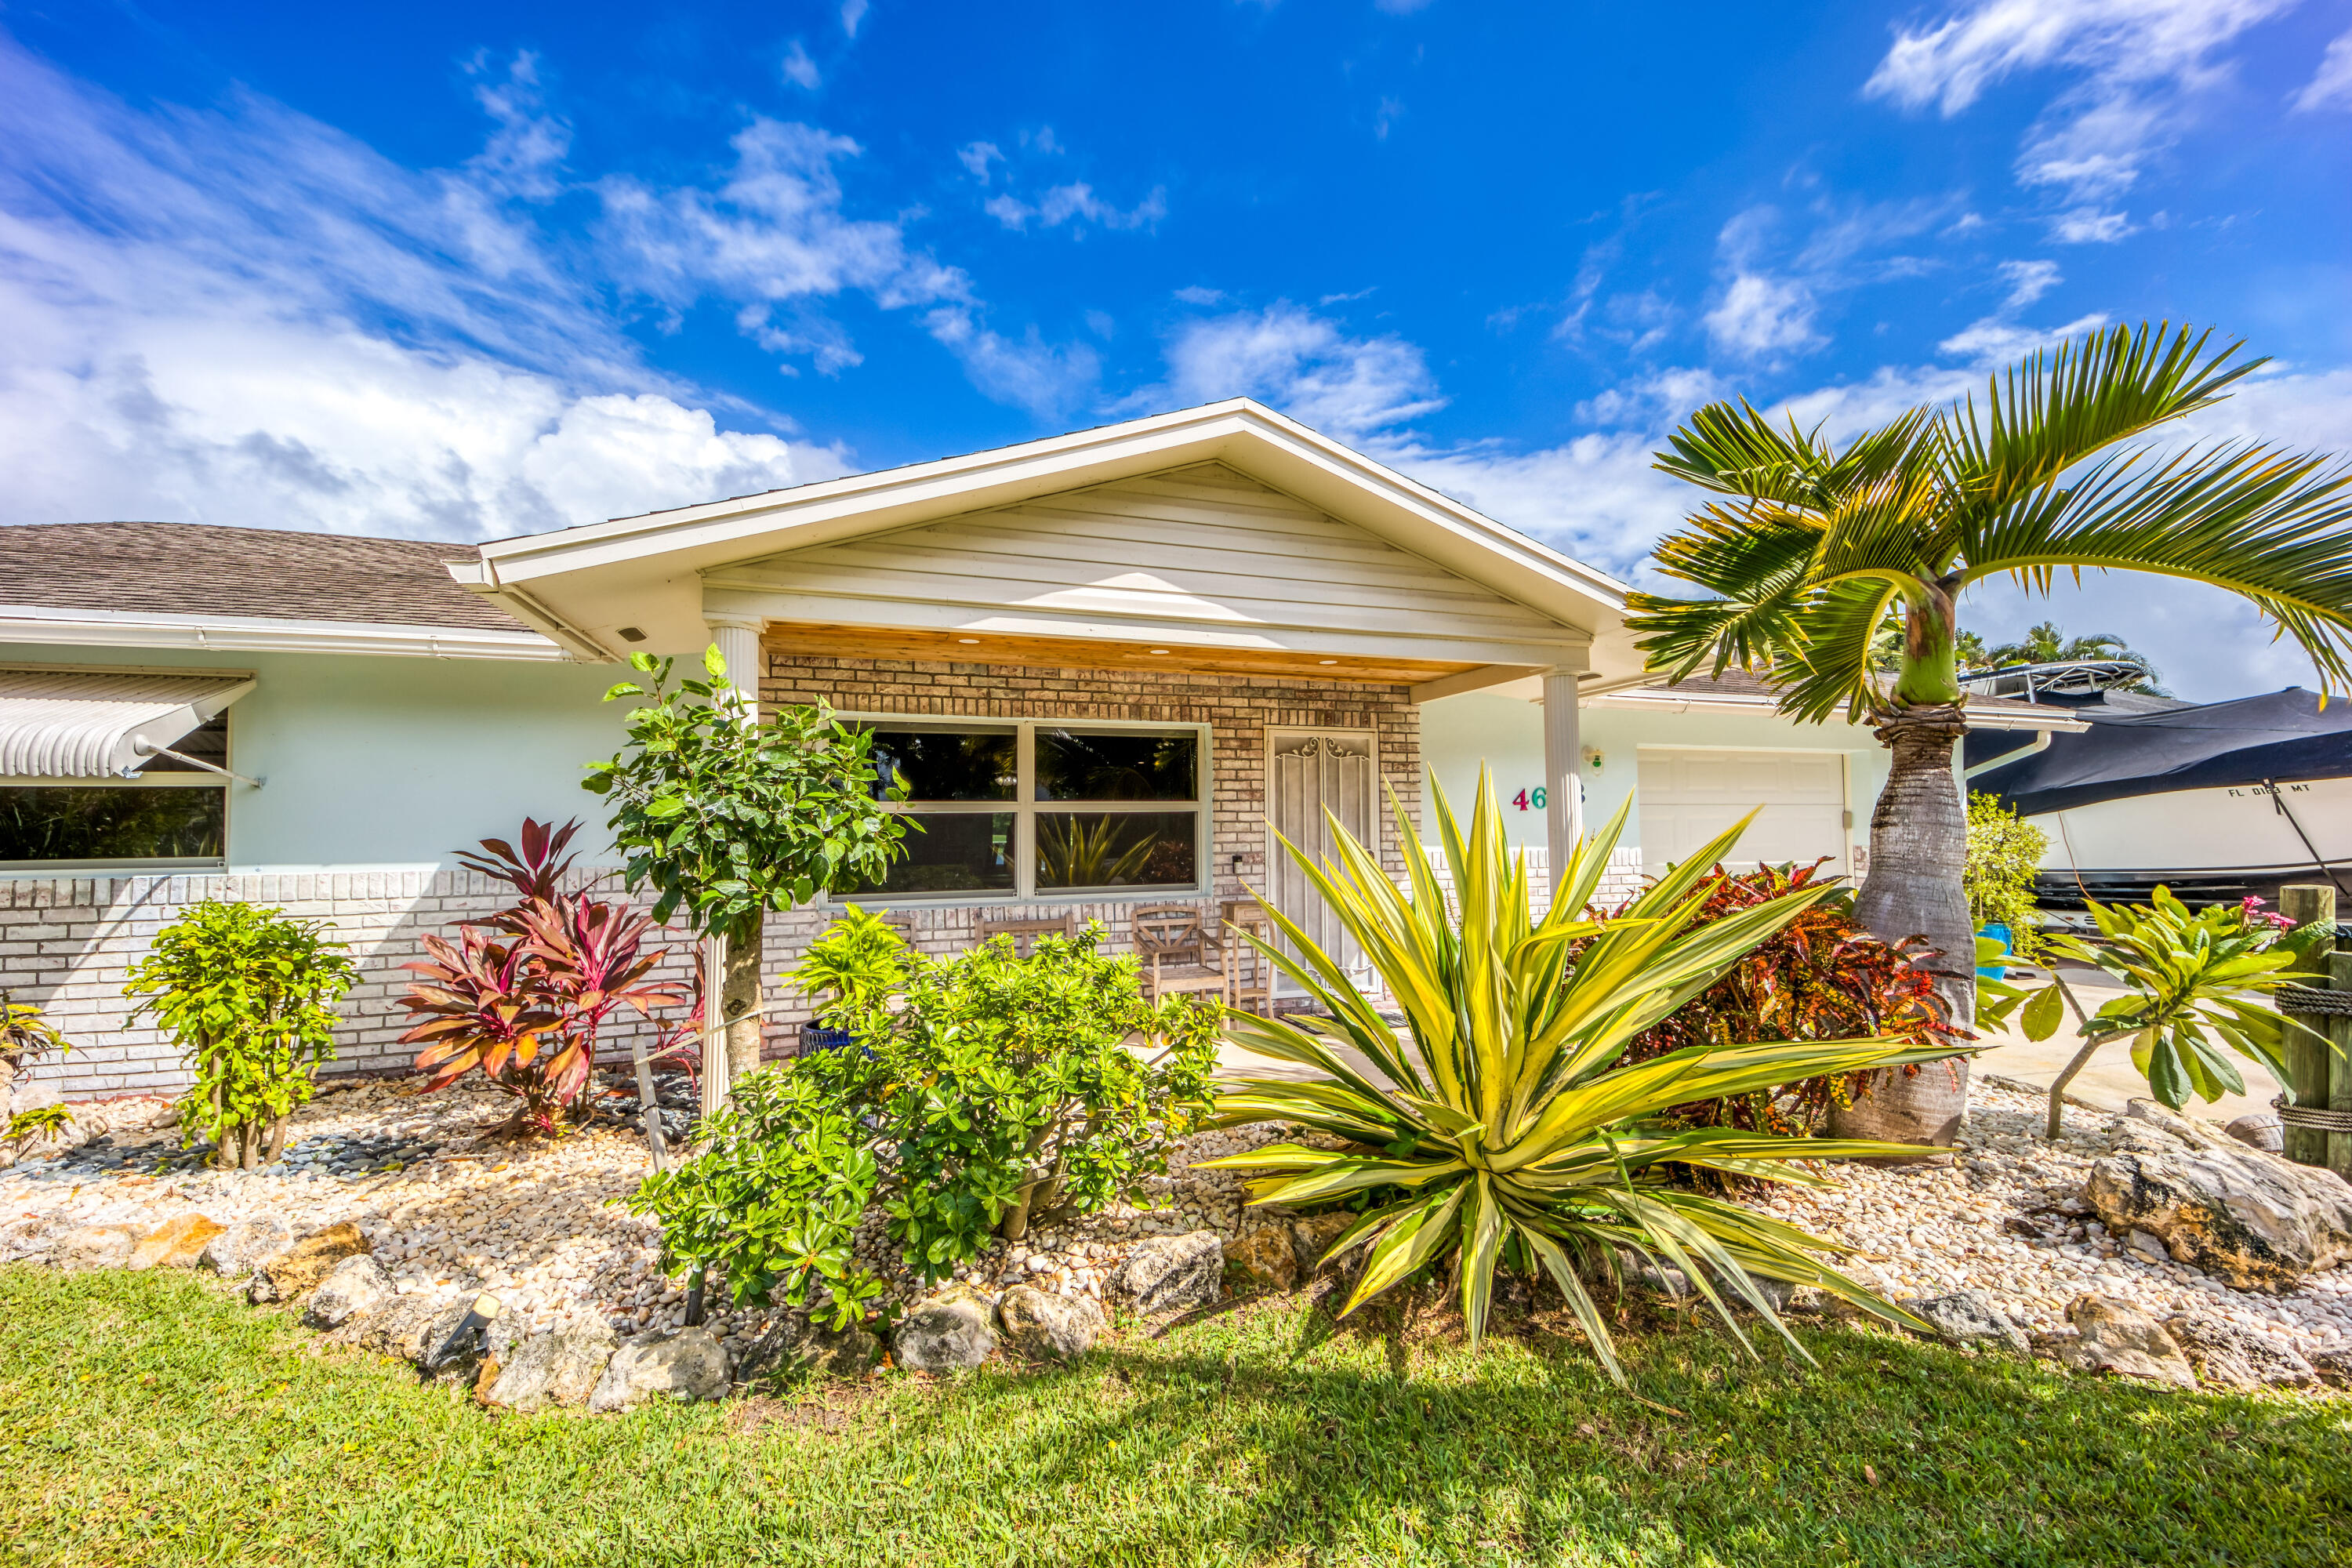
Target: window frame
[(168, 779), (1025, 807)]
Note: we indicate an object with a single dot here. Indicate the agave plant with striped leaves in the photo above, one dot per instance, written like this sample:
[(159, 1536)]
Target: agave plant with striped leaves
[(1499, 1127)]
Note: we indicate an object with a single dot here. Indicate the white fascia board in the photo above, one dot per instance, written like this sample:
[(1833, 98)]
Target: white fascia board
[(644, 571), (259, 633)]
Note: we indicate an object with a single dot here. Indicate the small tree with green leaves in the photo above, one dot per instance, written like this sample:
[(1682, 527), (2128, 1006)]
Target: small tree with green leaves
[(249, 994), (2004, 857), (727, 817)]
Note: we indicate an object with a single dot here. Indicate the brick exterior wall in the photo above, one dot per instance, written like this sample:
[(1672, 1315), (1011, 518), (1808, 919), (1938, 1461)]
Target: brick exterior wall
[(66, 943)]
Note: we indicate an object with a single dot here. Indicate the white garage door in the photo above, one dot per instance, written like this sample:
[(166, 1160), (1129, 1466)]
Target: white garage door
[(1688, 797)]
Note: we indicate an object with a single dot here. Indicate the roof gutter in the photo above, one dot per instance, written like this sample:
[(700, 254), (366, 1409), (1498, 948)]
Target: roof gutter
[(481, 577)]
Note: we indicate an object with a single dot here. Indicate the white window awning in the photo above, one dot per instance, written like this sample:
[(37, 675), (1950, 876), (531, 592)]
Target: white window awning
[(86, 724)]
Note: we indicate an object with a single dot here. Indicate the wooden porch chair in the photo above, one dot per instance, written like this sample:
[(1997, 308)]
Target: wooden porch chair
[(1179, 955), (1025, 933)]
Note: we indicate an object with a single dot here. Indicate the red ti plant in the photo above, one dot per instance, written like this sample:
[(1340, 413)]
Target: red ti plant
[(528, 1010), (1819, 977)]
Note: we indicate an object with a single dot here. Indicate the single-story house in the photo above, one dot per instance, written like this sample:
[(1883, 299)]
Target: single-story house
[(1103, 663)]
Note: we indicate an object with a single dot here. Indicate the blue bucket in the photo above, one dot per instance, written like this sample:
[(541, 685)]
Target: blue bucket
[(814, 1038), (2001, 934)]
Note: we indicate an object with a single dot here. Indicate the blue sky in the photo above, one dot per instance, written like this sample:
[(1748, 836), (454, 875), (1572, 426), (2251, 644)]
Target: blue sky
[(465, 271)]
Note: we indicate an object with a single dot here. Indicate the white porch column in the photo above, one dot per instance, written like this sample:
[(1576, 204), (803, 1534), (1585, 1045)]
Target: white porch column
[(1563, 791), (738, 645), (725, 973)]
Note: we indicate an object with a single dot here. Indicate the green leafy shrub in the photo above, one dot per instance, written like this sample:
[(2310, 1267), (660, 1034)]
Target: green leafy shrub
[(1515, 1135), (249, 994), (772, 1203), (2004, 857), (2197, 990), (1819, 977), (987, 1093)]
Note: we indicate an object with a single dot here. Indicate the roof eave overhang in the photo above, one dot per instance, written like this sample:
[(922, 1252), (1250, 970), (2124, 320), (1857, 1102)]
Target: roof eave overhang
[(646, 572), (22, 624)]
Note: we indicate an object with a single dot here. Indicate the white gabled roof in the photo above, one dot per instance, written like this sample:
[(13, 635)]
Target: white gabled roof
[(84, 724), (580, 585)]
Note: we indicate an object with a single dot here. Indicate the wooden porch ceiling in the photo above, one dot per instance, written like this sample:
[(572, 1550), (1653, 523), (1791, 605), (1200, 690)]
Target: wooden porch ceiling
[(1076, 653)]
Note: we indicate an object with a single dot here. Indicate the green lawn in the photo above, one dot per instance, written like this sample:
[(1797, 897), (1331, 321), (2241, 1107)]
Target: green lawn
[(148, 1418)]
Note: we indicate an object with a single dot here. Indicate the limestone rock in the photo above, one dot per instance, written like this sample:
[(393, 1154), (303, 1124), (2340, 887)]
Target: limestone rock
[(2118, 1339), (2233, 1357), (1165, 1273), (1264, 1258), (354, 1286), (2251, 1218), (1968, 1317), (799, 1345), (286, 1275), (2333, 1366), (1312, 1237), (2260, 1130), (235, 1251), (561, 1368), (96, 1247), (955, 1328), (174, 1244), (1043, 1327), (401, 1327), (682, 1364)]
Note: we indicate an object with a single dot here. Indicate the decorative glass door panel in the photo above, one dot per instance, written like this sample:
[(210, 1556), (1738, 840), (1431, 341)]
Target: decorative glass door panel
[(1314, 776)]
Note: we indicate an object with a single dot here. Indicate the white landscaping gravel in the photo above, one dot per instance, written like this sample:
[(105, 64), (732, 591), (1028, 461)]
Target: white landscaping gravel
[(537, 1223)]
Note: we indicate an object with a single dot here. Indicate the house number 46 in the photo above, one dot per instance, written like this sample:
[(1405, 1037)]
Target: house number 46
[(1530, 799)]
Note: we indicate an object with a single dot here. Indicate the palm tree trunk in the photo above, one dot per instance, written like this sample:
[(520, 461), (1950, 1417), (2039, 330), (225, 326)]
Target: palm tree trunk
[(739, 995), (1918, 843)]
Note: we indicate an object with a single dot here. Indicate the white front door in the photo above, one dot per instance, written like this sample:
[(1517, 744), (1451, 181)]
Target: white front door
[(1310, 772), (1688, 796)]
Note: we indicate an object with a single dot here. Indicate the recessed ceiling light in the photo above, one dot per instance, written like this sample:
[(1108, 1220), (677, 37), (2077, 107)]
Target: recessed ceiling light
[(1327, 661), (1158, 650), (967, 639)]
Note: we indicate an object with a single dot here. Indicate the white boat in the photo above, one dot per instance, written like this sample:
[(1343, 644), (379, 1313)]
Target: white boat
[(2216, 800)]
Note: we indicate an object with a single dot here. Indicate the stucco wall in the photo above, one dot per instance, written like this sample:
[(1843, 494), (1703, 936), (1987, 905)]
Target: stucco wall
[(388, 763), (1506, 734)]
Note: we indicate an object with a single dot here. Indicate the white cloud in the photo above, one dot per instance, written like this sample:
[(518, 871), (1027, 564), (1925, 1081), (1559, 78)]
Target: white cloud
[(1349, 299), (2028, 282), (1046, 380), (853, 11), (2331, 86), (798, 68), (977, 156), (1995, 341), (1355, 389), (1074, 204), (1391, 111), (1650, 400), (772, 230), (524, 156), (2138, 64), (1193, 294), (1760, 317), (2089, 226)]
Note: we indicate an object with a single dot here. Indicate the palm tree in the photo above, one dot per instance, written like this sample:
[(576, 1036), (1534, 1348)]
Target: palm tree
[(2046, 644), (1814, 545)]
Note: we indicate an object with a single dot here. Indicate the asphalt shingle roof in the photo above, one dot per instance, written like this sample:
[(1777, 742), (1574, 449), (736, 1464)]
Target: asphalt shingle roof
[(200, 569)]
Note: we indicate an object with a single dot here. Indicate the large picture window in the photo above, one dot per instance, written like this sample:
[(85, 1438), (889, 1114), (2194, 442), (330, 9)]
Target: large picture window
[(167, 817), (1045, 809)]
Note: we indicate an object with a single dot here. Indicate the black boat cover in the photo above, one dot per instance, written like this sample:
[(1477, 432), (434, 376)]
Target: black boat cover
[(2281, 735)]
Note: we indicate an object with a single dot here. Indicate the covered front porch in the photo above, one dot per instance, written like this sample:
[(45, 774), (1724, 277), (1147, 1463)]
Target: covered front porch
[(1108, 668)]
